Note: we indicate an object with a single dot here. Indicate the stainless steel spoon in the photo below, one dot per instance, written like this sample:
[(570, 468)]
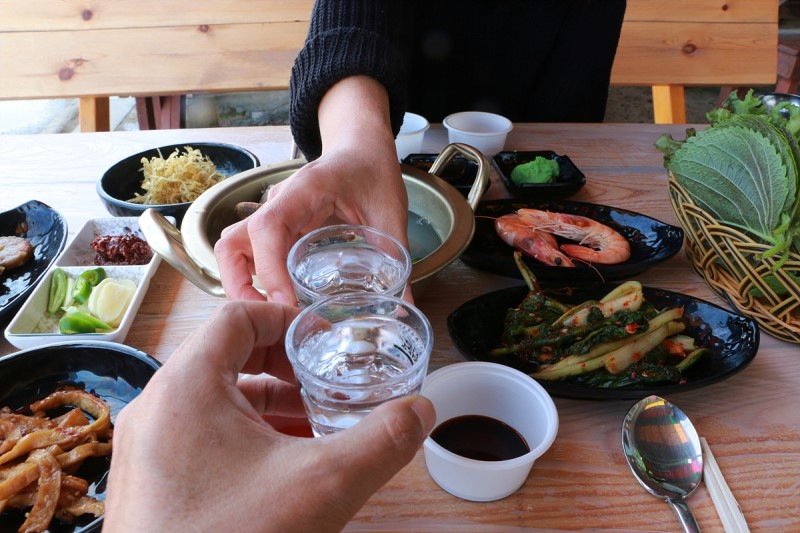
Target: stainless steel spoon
[(664, 453)]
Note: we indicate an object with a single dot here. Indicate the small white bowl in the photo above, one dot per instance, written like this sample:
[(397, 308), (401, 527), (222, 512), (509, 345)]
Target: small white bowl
[(485, 131), (412, 132), (499, 392)]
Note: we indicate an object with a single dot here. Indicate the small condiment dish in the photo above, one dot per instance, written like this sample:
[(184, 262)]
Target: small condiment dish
[(79, 251), (484, 131), (498, 392), (460, 172), (568, 181)]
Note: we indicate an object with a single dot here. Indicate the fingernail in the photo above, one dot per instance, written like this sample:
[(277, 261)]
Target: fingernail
[(280, 298), (426, 413)]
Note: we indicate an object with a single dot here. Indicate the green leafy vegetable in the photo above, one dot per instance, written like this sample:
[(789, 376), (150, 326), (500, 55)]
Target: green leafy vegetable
[(743, 170)]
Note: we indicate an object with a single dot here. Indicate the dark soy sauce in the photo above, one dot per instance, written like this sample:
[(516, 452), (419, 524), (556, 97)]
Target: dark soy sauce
[(480, 437)]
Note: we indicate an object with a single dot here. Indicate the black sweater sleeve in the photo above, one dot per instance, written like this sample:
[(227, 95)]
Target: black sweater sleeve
[(345, 38)]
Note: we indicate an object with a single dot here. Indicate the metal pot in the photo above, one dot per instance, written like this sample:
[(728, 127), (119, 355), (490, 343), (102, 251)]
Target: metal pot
[(190, 250)]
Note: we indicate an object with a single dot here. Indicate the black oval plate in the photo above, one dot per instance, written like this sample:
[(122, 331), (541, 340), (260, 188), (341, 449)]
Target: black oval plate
[(46, 230), (732, 339), (651, 240), (115, 372)]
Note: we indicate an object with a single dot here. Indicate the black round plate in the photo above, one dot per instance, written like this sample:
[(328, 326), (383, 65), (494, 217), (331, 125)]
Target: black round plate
[(732, 339), (46, 230), (651, 240), (120, 182), (114, 372)]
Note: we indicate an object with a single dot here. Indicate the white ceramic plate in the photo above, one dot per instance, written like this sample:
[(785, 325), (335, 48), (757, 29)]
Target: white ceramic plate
[(32, 326), (79, 251)]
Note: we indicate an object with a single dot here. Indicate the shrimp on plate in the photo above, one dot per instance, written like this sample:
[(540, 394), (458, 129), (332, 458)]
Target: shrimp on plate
[(597, 243), (540, 245)]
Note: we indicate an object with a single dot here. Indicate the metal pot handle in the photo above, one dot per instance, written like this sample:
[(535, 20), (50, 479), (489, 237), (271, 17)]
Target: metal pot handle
[(166, 240), (482, 176)]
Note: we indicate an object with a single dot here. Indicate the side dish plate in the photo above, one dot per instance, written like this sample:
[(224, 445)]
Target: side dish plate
[(114, 372), (46, 230), (31, 326), (568, 182), (732, 339), (651, 240)]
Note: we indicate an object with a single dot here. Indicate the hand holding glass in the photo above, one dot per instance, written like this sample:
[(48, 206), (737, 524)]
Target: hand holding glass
[(354, 351), (347, 258)]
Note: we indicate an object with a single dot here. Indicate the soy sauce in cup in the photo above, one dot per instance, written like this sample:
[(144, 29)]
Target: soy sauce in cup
[(480, 437)]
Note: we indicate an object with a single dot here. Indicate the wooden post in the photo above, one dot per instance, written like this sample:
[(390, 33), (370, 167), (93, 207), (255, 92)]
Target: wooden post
[(94, 114), (669, 104)]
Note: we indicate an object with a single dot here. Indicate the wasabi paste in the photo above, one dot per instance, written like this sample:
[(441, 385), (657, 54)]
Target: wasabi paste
[(540, 170)]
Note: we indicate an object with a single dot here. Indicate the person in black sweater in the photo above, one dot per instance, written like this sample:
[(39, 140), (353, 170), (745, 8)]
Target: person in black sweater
[(366, 62)]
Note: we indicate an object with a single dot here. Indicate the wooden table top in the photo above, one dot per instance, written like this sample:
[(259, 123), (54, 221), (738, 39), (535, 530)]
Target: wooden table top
[(750, 420)]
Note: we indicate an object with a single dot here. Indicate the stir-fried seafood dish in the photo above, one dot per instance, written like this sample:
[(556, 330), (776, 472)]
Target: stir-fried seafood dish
[(534, 232), (40, 455)]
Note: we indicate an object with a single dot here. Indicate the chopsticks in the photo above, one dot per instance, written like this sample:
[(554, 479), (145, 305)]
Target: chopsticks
[(728, 509)]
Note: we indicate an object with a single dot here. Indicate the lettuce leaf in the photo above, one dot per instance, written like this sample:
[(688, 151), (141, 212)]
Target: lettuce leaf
[(743, 170), (737, 175)]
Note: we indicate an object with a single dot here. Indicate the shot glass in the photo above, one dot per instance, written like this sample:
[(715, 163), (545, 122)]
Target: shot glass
[(352, 352), (347, 258)]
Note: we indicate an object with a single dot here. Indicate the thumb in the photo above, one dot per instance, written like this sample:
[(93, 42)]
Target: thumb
[(381, 444)]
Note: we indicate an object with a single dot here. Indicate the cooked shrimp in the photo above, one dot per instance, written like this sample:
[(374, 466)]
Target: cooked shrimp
[(538, 244), (597, 243)]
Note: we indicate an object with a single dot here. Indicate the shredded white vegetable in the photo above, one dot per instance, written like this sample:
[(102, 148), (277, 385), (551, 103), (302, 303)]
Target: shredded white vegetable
[(181, 177)]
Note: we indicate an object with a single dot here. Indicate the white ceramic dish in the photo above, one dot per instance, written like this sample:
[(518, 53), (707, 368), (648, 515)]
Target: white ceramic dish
[(79, 251), (32, 326)]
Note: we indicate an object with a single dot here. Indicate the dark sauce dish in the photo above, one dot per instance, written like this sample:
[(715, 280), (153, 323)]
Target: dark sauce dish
[(732, 339), (568, 182), (46, 230), (460, 172), (123, 179), (114, 372), (651, 241)]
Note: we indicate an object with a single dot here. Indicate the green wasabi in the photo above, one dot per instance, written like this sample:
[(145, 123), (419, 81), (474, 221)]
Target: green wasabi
[(540, 170)]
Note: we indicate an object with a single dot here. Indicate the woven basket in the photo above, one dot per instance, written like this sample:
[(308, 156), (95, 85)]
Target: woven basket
[(730, 262)]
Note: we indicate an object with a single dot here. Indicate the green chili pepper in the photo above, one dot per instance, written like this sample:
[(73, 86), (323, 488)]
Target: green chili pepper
[(58, 291), (81, 290), (79, 322), (94, 276)]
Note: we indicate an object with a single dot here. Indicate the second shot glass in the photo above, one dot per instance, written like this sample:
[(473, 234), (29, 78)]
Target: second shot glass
[(347, 258)]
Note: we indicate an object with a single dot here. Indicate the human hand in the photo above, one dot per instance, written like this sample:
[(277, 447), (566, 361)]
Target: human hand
[(193, 452), (343, 185), (357, 180)]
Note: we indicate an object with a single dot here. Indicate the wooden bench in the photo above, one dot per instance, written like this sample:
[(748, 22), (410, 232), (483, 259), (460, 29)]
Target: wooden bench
[(672, 44), (93, 49)]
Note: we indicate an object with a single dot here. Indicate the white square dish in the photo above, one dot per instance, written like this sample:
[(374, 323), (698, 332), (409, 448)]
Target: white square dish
[(79, 251), (32, 326)]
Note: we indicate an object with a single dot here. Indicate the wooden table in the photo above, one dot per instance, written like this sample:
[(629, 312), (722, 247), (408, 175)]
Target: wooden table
[(751, 420)]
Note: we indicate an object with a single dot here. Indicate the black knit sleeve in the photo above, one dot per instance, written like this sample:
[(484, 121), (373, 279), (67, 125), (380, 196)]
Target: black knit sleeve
[(345, 38)]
